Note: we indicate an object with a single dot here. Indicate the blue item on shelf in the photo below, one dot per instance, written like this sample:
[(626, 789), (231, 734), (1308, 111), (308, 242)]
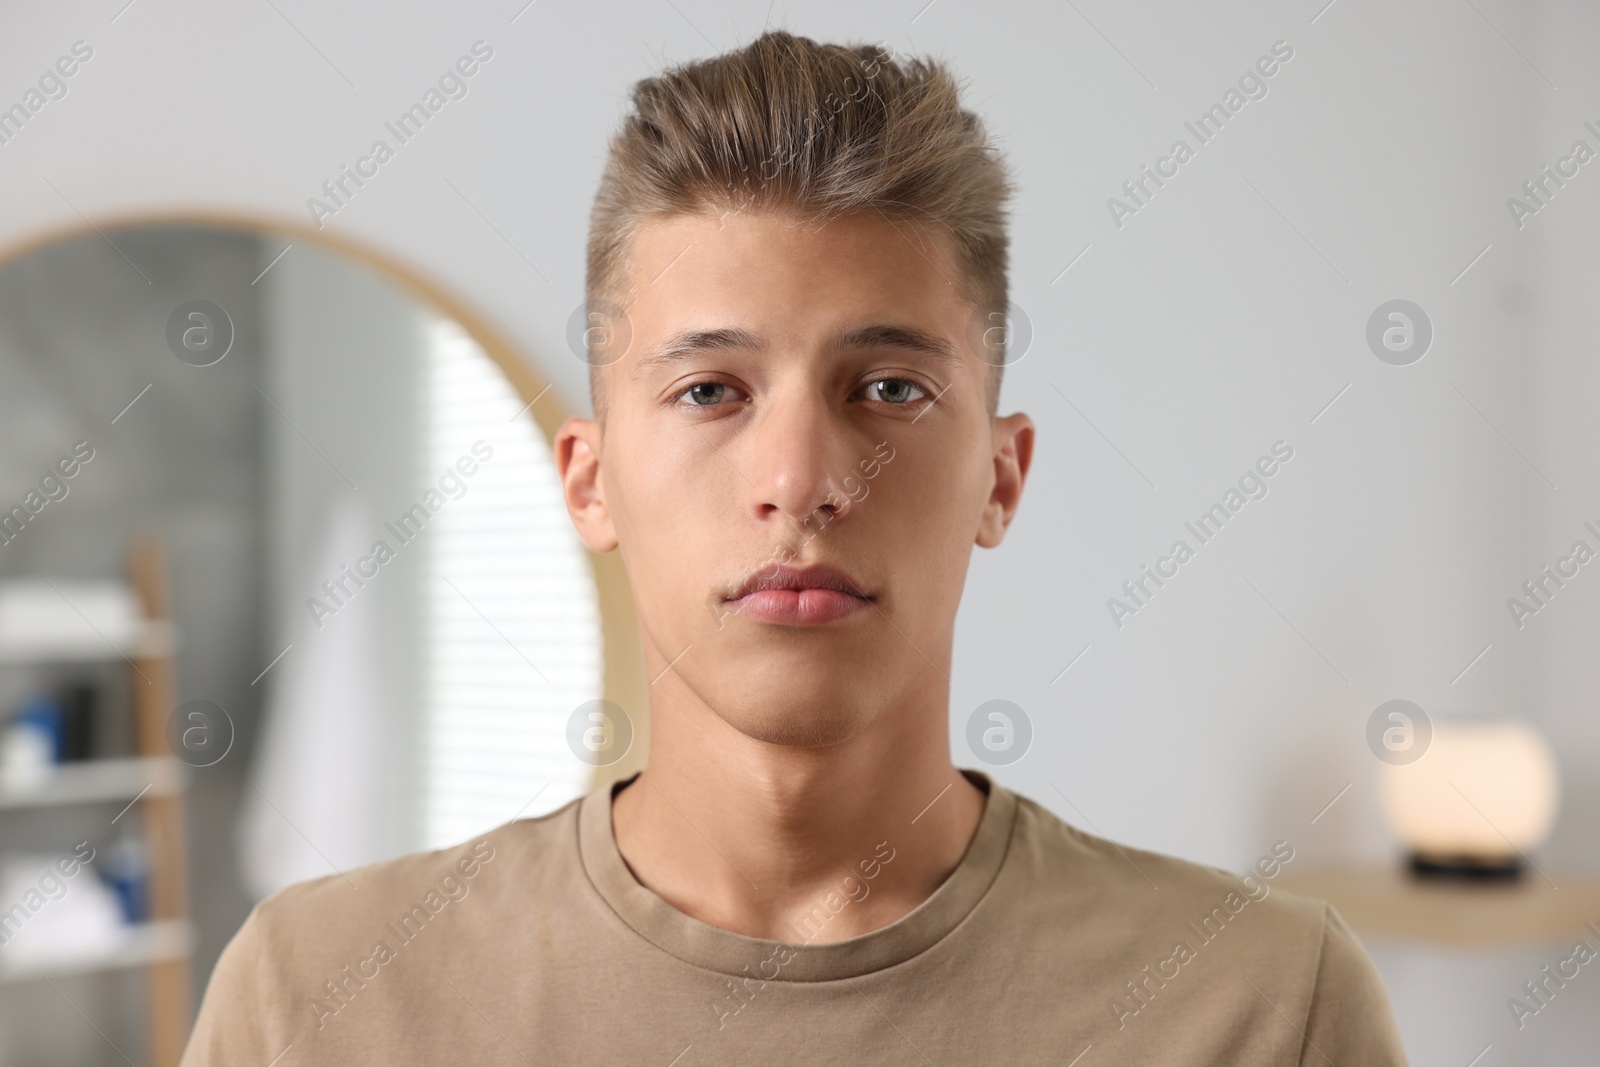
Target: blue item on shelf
[(43, 712), (127, 871)]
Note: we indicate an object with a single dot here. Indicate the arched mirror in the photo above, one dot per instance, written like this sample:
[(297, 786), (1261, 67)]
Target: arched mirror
[(286, 587)]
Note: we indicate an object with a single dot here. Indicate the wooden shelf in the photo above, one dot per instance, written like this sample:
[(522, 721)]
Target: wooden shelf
[(1389, 902), (44, 621), (92, 781), (151, 638), (54, 621), (139, 945)]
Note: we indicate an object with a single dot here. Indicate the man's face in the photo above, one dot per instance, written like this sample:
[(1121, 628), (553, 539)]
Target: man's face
[(767, 444)]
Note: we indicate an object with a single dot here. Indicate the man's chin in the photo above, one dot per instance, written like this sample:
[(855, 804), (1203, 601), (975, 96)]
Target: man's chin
[(795, 725), (793, 687)]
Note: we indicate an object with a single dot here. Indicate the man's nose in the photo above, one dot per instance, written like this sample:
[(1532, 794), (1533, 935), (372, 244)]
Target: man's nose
[(798, 463)]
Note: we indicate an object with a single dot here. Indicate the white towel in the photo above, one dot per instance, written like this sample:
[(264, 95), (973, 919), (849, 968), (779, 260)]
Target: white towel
[(312, 803), (55, 919)]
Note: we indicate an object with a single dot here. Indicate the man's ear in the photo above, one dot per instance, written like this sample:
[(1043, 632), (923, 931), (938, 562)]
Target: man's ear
[(577, 454), (1013, 452)]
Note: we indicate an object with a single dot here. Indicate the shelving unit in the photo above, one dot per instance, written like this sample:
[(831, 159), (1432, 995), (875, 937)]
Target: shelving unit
[(62, 622)]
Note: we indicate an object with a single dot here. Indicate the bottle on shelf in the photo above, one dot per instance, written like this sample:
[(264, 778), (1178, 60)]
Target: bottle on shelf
[(127, 870), (31, 744)]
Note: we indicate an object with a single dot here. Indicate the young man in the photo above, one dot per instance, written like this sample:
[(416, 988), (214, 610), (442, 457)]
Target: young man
[(797, 252)]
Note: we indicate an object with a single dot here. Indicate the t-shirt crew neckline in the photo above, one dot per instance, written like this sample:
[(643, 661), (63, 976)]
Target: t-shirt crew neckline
[(727, 952)]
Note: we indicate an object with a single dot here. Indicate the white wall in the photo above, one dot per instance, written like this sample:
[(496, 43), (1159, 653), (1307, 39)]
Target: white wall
[(1221, 318)]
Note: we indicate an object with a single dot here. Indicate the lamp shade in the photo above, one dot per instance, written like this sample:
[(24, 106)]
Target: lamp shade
[(1483, 791)]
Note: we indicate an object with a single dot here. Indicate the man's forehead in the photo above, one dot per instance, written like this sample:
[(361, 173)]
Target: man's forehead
[(746, 282)]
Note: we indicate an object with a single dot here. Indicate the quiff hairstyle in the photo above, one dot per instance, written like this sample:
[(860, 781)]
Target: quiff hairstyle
[(789, 126)]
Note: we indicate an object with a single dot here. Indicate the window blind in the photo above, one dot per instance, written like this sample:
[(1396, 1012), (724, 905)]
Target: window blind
[(513, 637)]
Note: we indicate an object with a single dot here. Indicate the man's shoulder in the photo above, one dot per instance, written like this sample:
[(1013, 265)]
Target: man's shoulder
[(1129, 927), (1147, 891), (394, 897), (321, 949)]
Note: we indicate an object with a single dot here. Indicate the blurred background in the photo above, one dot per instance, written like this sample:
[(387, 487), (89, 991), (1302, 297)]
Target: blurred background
[(1339, 350)]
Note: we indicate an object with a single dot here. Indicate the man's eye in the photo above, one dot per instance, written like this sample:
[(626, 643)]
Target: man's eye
[(704, 394), (895, 390)]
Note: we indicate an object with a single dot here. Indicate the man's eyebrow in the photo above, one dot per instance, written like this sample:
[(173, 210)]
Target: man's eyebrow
[(882, 335), (691, 342), (877, 335)]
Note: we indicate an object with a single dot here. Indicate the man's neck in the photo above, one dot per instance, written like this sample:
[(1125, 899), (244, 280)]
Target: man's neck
[(795, 844)]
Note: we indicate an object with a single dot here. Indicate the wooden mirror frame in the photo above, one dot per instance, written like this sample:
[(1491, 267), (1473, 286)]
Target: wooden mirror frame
[(623, 679)]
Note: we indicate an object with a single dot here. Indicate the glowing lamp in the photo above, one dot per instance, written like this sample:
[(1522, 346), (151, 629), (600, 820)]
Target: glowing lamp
[(1480, 796)]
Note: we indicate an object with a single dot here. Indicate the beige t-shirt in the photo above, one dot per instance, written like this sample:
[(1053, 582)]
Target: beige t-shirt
[(534, 944)]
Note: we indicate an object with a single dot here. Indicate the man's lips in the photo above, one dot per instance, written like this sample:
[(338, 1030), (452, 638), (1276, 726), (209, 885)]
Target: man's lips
[(799, 596)]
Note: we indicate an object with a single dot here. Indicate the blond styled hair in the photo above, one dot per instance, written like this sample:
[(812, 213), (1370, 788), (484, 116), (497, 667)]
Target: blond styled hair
[(787, 125)]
